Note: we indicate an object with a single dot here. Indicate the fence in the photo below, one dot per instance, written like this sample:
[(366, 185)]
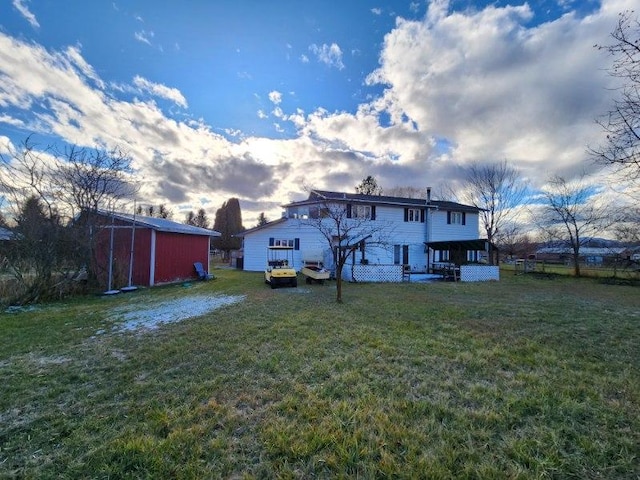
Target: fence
[(631, 271)]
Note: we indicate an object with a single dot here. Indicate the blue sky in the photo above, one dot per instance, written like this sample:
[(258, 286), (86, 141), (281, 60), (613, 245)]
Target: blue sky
[(260, 100)]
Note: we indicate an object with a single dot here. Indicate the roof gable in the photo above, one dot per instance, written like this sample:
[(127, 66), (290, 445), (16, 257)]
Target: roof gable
[(260, 227)]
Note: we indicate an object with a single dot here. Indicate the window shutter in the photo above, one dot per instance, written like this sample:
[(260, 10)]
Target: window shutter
[(296, 244), (406, 214), (422, 215), (272, 241), (348, 210), (464, 218), (448, 217), (373, 212)]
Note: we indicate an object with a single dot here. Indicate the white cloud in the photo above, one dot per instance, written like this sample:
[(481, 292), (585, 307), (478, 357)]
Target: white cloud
[(376, 11), (497, 89), (304, 58), (144, 36), (330, 55), (6, 146), (9, 120), (477, 85), (275, 97), (162, 91), (74, 54), (21, 6), (232, 132)]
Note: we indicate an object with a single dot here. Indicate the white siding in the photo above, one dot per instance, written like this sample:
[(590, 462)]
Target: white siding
[(256, 243), (441, 231), (388, 218), (412, 234)]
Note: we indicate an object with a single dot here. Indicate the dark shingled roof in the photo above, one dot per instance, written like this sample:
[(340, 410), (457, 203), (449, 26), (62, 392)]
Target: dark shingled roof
[(323, 195)]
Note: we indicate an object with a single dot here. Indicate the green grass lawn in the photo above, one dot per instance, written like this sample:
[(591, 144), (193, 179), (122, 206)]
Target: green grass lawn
[(623, 272), (524, 378)]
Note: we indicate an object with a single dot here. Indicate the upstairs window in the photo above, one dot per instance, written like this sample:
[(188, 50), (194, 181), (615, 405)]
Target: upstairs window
[(318, 212), (414, 215), (361, 211), (456, 218)]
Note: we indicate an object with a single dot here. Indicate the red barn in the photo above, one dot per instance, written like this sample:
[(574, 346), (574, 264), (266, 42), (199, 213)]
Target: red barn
[(163, 251)]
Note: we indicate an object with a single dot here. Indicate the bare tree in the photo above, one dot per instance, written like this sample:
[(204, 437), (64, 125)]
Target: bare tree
[(36, 252), (571, 214), (628, 228), (92, 179), (622, 123), (496, 189), (65, 188), (87, 181), (346, 231), (514, 242), (406, 192)]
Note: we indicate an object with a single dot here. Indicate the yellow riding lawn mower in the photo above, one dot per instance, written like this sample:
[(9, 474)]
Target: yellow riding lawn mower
[(280, 270)]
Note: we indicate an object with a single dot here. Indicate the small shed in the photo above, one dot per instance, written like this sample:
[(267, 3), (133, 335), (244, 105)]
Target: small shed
[(152, 250)]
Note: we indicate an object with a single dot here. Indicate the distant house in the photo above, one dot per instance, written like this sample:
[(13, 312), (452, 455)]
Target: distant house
[(164, 251), (422, 234), (595, 256), (6, 239)]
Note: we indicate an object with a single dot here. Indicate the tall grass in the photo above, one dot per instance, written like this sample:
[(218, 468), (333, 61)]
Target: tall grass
[(523, 378)]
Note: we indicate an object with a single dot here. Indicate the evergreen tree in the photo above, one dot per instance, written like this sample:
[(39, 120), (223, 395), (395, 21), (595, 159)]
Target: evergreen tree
[(201, 219), (369, 186), (262, 219), (228, 222), (161, 211)]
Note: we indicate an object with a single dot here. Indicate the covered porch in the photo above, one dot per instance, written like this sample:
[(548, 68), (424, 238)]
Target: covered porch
[(465, 260)]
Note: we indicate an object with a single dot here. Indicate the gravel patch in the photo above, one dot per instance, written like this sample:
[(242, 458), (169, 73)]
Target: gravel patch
[(168, 312)]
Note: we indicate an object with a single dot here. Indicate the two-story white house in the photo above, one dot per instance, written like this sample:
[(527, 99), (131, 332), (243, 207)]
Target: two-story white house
[(393, 234)]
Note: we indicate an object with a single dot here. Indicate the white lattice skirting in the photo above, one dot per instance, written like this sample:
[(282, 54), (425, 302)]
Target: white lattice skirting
[(393, 273), (479, 273), (377, 273)]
